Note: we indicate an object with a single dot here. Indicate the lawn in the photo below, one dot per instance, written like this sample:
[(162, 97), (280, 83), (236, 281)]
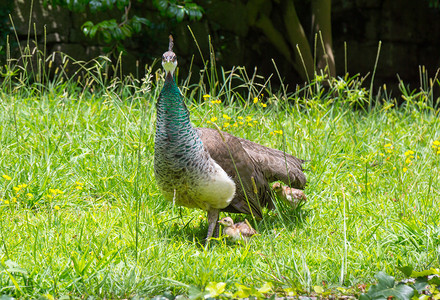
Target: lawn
[(81, 214)]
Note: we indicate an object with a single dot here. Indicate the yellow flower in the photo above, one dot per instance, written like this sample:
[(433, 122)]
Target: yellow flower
[(5, 201), (404, 169), (388, 146), (14, 199), (22, 186), (436, 143), (52, 191), (79, 183), (56, 207), (6, 177), (408, 160), (263, 104), (206, 96), (225, 125), (16, 188), (241, 122), (409, 152), (78, 187), (226, 117), (29, 195), (255, 100), (248, 118), (235, 124), (240, 118), (250, 125), (213, 119), (216, 101), (255, 122), (59, 191)]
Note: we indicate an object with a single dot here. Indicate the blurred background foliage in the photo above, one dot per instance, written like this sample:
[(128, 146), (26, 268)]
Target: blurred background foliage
[(301, 37)]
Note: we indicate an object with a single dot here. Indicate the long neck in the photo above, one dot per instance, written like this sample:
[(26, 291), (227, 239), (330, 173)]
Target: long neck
[(173, 122), (171, 110)]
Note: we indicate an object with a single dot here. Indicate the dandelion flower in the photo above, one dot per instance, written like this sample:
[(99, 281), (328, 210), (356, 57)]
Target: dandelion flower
[(16, 188), (255, 100), (78, 187), (206, 96), (56, 207), (213, 119), (240, 118), (235, 124), (5, 201), (225, 125), (225, 116), (250, 125), (404, 169), (263, 104), (6, 177), (436, 143), (29, 195)]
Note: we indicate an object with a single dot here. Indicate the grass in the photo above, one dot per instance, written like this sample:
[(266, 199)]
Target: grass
[(81, 214)]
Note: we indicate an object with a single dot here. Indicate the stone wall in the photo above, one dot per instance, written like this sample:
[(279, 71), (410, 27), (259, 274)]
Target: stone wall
[(409, 31)]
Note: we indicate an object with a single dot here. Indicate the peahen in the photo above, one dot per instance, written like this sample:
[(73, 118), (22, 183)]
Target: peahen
[(212, 170)]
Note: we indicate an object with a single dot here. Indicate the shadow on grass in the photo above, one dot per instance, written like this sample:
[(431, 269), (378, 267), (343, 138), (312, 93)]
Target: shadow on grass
[(194, 229)]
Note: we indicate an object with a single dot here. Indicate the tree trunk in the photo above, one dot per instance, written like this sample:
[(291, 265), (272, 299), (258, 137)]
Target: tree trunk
[(298, 40), (322, 26)]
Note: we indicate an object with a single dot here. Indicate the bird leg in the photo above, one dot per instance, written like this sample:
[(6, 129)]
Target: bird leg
[(213, 223)]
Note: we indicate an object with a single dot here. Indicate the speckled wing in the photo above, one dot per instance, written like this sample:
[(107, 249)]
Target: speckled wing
[(229, 153), (245, 229)]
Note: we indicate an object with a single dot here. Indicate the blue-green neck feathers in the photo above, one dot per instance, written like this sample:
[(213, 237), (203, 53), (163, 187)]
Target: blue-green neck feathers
[(172, 114), (177, 143)]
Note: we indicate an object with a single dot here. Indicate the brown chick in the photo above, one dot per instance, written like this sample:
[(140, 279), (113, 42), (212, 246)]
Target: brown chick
[(239, 231), (290, 195)]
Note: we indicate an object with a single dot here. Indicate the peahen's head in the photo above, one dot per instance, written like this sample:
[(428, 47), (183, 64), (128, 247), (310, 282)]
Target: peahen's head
[(169, 59)]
